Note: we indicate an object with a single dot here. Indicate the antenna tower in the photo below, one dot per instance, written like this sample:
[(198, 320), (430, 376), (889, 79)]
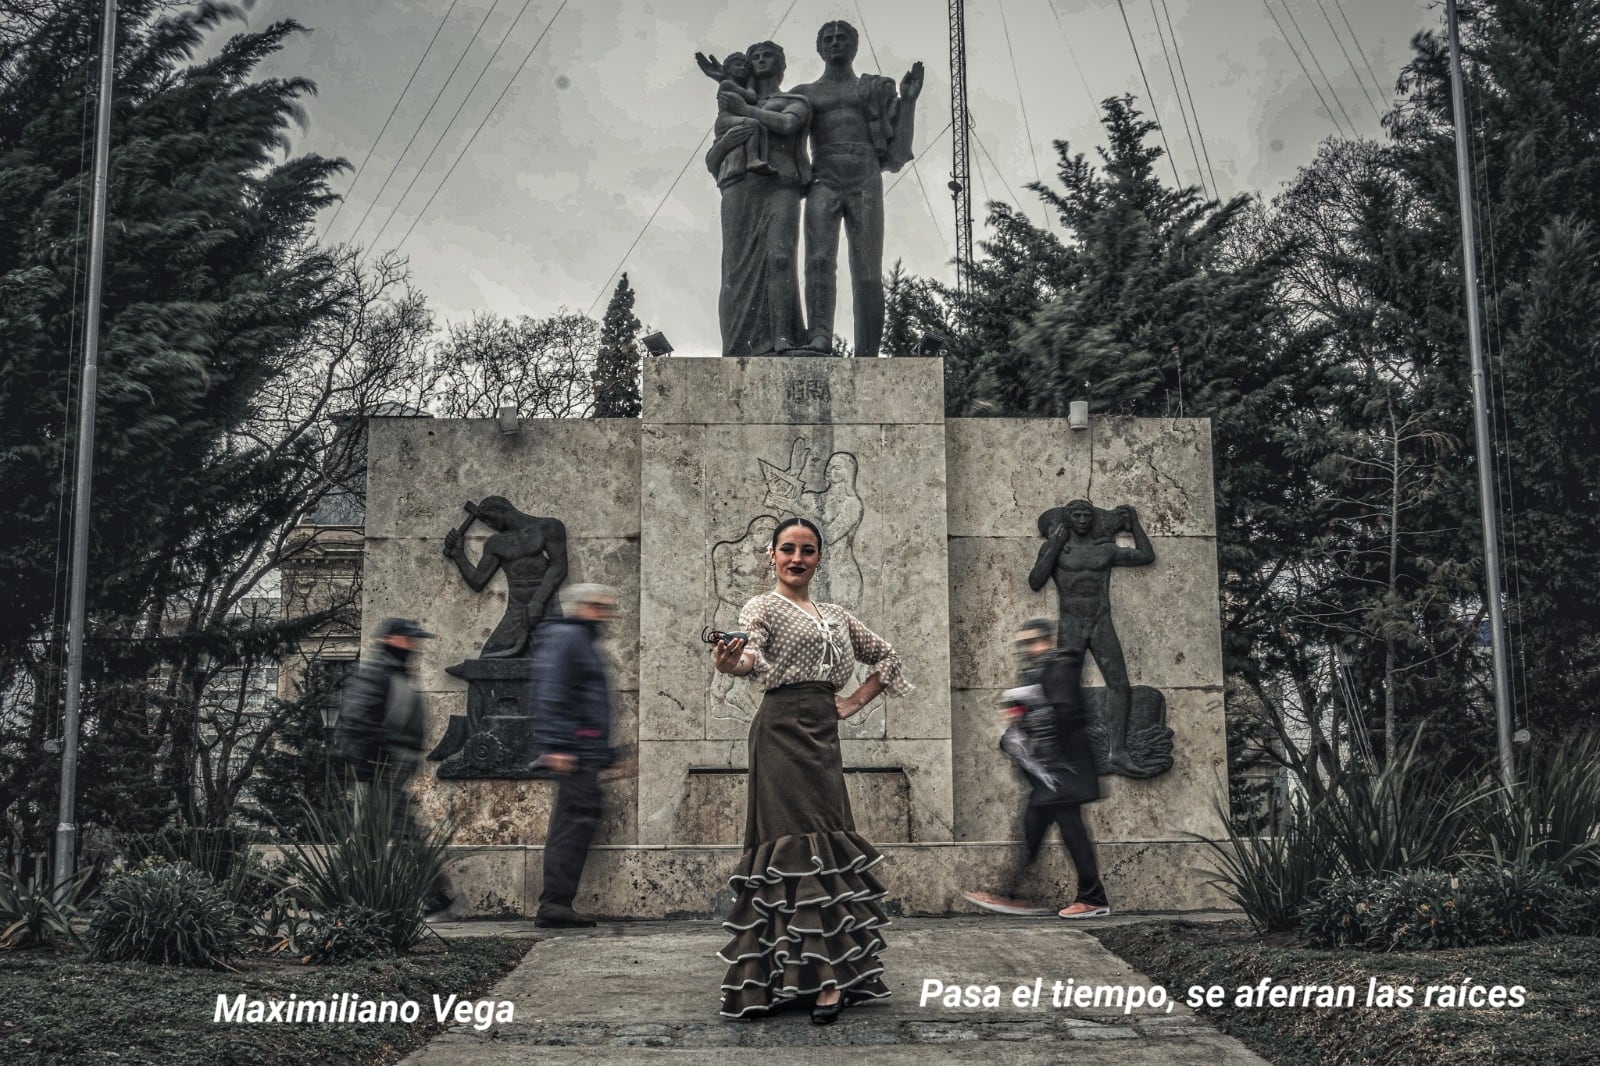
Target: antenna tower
[(960, 142)]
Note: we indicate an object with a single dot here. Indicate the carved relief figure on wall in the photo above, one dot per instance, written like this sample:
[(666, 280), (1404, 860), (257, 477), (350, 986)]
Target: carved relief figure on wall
[(532, 551), (758, 305), (740, 569), (860, 126), (1079, 553)]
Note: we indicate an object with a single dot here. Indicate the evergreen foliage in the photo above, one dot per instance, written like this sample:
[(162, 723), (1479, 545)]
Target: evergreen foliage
[(617, 363)]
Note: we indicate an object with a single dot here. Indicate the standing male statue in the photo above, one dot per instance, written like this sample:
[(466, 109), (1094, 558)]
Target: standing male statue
[(860, 127), (1078, 555)]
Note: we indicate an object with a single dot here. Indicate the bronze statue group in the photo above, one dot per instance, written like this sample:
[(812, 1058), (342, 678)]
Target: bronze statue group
[(827, 143)]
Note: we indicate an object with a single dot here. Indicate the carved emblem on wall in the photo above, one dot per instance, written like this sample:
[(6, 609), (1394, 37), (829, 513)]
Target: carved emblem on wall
[(823, 491), (1079, 554), (493, 738)]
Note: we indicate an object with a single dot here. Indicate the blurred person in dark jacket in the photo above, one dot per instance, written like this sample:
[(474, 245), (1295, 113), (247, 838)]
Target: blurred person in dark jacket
[(1049, 739), (572, 730), (381, 734)]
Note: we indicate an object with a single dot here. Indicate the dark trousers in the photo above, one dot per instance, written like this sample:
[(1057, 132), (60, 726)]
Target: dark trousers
[(1067, 817), (578, 807)]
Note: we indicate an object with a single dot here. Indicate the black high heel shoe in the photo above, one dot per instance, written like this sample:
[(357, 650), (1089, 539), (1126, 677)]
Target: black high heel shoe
[(829, 1014)]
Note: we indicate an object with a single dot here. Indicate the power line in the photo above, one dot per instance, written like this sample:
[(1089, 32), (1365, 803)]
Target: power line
[(1312, 52), (1161, 129), (426, 115), (1314, 87), (623, 262), (931, 142), (448, 126), (385, 127), (1216, 189), (1183, 114), (492, 108), (1094, 102), (1022, 102), (692, 156), (1383, 94), (1352, 63), (875, 62), (992, 166)]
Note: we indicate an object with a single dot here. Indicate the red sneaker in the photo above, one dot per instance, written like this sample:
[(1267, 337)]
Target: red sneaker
[(1084, 910), (1006, 905)]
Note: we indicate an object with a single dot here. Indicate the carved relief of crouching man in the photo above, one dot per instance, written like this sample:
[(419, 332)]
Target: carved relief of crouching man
[(533, 553)]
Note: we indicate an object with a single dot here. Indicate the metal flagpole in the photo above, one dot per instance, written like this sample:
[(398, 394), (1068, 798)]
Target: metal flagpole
[(66, 829), (1480, 413)]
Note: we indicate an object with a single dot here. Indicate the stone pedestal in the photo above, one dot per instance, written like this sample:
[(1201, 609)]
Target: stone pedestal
[(931, 526), (728, 446)]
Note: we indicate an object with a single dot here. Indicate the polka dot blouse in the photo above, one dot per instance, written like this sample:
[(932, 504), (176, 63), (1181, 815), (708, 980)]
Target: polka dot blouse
[(791, 645)]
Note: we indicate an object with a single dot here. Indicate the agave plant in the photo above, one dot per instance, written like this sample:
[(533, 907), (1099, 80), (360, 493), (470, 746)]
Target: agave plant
[(356, 855), (34, 915)]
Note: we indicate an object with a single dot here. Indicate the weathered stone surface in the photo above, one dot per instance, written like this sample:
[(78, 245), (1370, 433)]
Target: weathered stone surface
[(1005, 472), (714, 804), (1162, 465), (582, 471), (408, 577), (1166, 613), (793, 391), (1179, 802), (493, 879), (673, 662), (652, 882)]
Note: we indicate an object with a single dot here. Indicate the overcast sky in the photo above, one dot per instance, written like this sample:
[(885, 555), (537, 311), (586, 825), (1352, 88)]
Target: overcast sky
[(609, 108)]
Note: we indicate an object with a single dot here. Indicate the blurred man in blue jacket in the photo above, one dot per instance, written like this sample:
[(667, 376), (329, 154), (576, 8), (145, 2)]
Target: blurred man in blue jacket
[(572, 729)]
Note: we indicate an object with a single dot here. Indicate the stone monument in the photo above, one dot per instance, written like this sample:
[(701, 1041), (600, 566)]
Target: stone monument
[(933, 530), (856, 127)]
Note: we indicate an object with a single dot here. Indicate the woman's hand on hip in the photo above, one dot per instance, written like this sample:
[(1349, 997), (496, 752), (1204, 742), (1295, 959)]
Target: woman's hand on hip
[(846, 705)]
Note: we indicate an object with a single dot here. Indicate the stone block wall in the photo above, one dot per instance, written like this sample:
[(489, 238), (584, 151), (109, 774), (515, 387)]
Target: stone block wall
[(932, 528)]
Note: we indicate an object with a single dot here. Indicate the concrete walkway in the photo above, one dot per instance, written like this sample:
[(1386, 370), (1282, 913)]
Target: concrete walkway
[(646, 992)]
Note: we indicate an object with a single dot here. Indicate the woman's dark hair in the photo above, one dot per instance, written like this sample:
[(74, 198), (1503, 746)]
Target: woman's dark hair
[(795, 520)]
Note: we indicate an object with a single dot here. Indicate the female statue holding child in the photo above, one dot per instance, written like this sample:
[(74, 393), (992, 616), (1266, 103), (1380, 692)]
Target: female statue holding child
[(760, 163)]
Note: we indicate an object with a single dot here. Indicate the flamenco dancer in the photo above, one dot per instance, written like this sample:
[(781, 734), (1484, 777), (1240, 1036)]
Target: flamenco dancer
[(806, 914)]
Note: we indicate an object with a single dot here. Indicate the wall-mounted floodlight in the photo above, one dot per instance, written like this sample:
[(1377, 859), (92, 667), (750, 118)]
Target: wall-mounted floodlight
[(510, 421), (657, 344), (1078, 414)]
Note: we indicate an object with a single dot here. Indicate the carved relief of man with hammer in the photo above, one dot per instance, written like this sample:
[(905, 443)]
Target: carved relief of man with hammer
[(533, 553)]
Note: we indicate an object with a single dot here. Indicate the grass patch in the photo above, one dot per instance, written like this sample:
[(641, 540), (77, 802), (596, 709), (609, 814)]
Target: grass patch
[(67, 1008), (1559, 1023)]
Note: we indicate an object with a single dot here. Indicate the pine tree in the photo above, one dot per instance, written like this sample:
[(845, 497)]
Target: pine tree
[(1143, 307), (1532, 77), (617, 364), (211, 294)]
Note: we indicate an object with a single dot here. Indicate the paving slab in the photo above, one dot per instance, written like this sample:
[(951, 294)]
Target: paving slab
[(647, 992)]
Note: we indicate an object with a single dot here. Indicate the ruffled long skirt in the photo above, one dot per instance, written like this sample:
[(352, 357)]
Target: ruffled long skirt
[(806, 913)]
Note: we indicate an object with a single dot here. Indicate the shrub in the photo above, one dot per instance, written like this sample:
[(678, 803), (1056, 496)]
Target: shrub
[(1428, 909), (359, 853), (31, 917), (1524, 901), (1552, 818), (1341, 914), (1270, 877), (172, 914), (347, 934)]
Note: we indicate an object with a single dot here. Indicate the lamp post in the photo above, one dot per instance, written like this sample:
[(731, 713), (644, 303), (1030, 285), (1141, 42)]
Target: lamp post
[(66, 828)]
